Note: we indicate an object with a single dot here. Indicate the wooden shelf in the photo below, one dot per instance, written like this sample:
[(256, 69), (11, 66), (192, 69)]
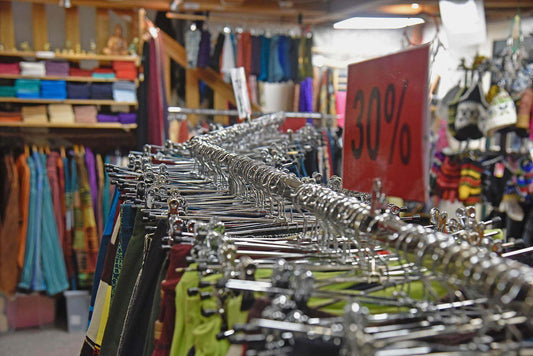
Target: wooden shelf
[(68, 79), (75, 125), (66, 101), (70, 57)]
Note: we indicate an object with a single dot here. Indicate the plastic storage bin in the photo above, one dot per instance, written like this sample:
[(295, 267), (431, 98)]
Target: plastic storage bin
[(30, 310), (77, 302)]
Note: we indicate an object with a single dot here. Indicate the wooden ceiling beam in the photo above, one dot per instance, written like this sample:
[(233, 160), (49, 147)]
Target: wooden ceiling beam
[(161, 5)]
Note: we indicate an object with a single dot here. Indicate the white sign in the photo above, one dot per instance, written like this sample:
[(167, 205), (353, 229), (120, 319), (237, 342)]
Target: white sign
[(242, 99)]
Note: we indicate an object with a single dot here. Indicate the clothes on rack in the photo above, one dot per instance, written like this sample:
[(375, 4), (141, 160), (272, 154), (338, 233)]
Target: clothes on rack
[(222, 249), (267, 60), (50, 223)]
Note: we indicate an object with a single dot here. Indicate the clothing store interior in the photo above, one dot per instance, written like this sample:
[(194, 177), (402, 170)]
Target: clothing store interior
[(266, 177)]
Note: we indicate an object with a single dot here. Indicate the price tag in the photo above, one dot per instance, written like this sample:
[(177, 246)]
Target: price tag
[(238, 79), (385, 124)]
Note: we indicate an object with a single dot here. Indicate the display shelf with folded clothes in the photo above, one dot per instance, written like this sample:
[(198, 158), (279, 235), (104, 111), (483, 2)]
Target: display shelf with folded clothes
[(69, 57), (38, 100), (71, 78), (16, 123)]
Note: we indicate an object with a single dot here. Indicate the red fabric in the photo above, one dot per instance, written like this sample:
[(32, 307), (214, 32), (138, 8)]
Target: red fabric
[(155, 96), (244, 52), (51, 169), (76, 72), (9, 68), (126, 74), (123, 65), (167, 313), (293, 123), (183, 134)]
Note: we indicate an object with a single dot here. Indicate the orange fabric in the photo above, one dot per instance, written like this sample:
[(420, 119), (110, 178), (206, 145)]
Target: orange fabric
[(24, 201), (10, 116), (10, 231)]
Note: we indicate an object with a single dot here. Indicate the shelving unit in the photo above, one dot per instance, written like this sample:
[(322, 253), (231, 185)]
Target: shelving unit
[(68, 79), (67, 101), (60, 125), (68, 57), (101, 135)]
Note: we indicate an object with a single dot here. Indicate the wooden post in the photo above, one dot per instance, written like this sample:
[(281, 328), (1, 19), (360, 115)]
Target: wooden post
[(40, 27), (72, 26), (192, 94), (7, 27), (102, 29), (220, 104)]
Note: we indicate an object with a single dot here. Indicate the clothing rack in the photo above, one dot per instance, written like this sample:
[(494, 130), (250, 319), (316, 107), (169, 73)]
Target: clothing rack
[(503, 281), (175, 111)]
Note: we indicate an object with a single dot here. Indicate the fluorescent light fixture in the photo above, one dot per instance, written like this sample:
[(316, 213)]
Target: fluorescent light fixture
[(377, 23)]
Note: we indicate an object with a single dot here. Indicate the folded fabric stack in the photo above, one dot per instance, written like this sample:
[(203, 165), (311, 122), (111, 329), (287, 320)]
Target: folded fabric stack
[(124, 91), (103, 73), (54, 89), (127, 117), (85, 114), (7, 91), (10, 116), (61, 113), (77, 72), (101, 91), (107, 118), (78, 90), (9, 68), (27, 88), (59, 69), (125, 70), (32, 69), (34, 114)]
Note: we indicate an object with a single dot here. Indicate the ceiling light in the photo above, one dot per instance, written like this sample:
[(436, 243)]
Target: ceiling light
[(415, 6), (377, 23)]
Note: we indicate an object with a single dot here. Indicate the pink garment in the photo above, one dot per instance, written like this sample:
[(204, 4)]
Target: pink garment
[(51, 169), (340, 99), (443, 136)]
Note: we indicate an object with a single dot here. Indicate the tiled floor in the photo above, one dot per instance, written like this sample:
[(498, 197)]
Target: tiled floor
[(43, 342)]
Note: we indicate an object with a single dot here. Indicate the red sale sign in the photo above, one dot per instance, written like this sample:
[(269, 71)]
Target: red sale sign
[(385, 124)]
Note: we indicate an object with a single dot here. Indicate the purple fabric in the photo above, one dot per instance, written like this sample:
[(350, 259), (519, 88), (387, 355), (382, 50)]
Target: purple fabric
[(306, 95), (127, 118), (204, 50), (91, 171), (57, 68), (255, 67), (106, 118)]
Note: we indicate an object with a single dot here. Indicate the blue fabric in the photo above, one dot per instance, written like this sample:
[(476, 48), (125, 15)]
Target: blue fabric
[(101, 91), (275, 72), (265, 57), (37, 282), (105, 193), (78, 90), (284, 57), (54, 269), (29, 260), (102, 251)]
